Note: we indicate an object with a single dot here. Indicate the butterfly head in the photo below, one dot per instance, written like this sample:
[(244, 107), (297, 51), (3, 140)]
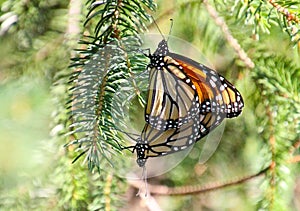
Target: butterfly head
[(141, 162), (162, 48)]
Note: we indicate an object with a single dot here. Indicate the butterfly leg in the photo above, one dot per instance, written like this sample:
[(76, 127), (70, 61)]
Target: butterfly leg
[(129, 148)]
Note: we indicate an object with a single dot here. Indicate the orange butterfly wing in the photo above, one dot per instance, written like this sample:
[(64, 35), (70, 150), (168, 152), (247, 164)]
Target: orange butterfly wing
[(215, 93)]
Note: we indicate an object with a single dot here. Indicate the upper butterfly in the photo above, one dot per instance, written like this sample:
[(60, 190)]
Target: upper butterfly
[(181, 88)]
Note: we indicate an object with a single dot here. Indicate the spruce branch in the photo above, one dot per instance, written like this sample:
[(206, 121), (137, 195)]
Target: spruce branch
[(278, 84), (263, 15), (230, 39), (289, 15), (293, 21), (103, 78)]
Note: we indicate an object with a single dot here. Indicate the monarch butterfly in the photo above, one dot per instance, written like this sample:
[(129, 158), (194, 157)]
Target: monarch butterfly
[(153, 142), (180, 89)]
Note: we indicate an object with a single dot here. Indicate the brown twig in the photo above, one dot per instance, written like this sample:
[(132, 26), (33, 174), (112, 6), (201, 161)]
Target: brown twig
[(195, 189), (230, 39), (289, 16)]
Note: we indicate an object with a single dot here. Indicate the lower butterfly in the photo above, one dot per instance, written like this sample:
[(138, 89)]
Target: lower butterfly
[(154, 143)]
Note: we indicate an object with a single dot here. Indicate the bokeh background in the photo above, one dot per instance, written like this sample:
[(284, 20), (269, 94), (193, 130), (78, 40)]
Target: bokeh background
[(37, 40)]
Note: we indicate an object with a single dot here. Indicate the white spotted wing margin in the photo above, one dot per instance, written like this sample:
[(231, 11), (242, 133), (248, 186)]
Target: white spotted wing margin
[(156, 143), (216, 93)]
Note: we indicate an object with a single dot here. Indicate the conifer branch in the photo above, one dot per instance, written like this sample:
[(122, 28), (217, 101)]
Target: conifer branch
[(291, 20), (104, 67), (289, 15), (228, 36)]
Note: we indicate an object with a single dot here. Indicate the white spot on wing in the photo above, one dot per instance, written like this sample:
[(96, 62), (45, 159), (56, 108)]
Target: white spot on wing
[(213, 84)]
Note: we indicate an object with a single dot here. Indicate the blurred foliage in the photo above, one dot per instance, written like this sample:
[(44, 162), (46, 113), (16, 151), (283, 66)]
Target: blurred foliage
[(41, 96)]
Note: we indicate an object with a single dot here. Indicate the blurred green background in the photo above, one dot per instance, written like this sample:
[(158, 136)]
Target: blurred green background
[(35, 169)]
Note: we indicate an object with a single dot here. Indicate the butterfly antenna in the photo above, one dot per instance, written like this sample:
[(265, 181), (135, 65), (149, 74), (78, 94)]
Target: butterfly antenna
[(171, 27), (130, 135), (158, 28)]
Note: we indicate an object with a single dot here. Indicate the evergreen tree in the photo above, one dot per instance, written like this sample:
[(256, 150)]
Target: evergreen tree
[(255, 44)]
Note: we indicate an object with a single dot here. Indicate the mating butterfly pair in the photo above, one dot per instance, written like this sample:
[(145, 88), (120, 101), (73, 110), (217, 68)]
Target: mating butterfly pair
[(186, 100)]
